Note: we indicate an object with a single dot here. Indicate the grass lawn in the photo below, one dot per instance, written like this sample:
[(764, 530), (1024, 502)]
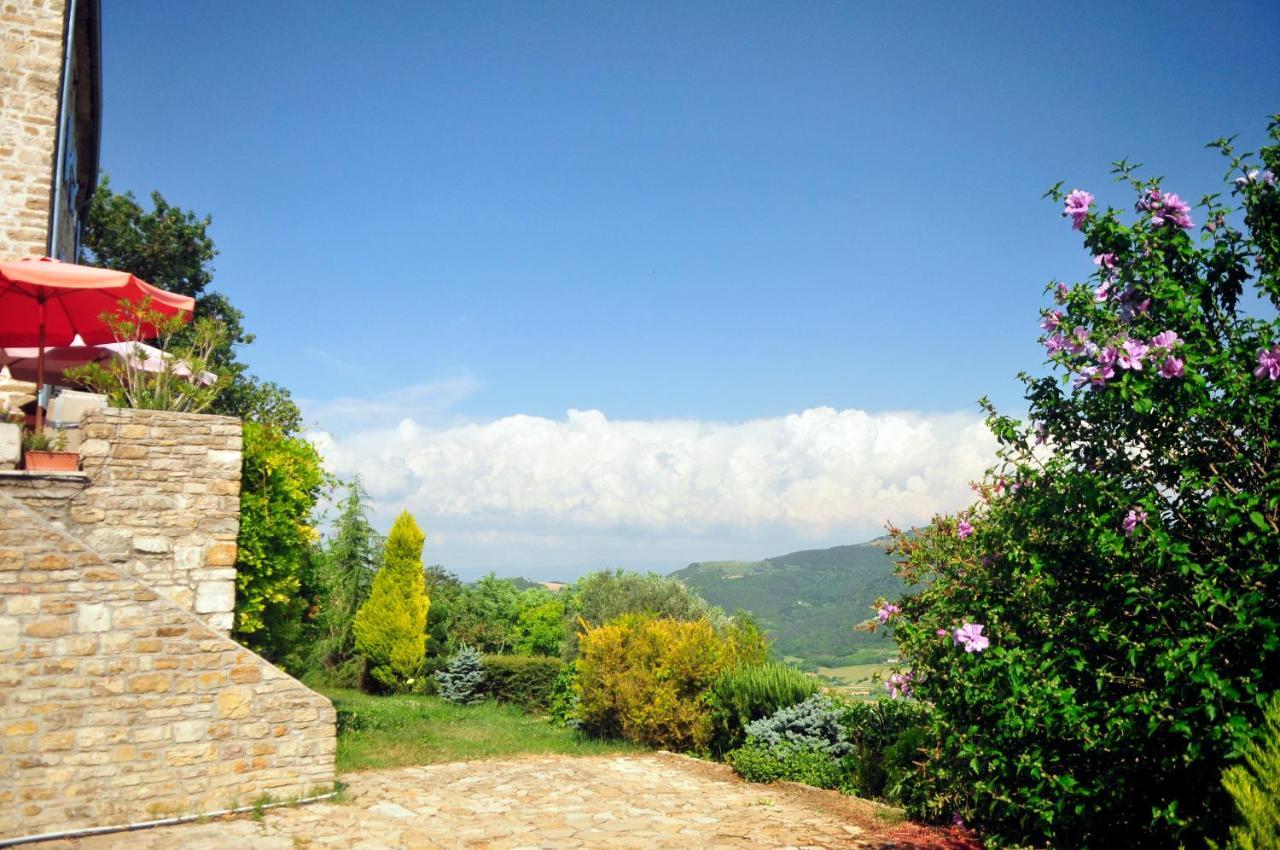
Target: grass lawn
[(398, 731)]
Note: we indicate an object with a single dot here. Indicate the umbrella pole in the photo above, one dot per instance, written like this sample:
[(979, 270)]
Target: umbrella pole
[(40, 371)]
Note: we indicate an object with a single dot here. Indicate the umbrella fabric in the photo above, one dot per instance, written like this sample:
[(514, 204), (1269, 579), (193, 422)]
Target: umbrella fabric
[(74, 299), (22, 362)]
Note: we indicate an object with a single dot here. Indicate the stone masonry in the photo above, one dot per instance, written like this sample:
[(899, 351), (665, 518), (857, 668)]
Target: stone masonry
[(118, 705), (160, 496), (31, 33)]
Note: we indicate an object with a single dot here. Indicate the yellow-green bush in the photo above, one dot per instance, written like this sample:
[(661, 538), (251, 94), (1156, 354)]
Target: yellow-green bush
[(390, 624), (647, 679)]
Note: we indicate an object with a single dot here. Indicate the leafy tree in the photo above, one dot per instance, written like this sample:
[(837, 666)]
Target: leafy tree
[(486, 615), (170, 247), (344, 571), (443, 589), (1099, 633), (282, 480), (539, 628), (602, 596), (1255, 788), (390, 627)]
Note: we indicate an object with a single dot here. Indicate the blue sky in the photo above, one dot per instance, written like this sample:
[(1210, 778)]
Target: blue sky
[(451, 224)]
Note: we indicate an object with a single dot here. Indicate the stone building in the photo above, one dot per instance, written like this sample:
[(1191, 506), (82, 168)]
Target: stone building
[(50, 121), (123, 699)]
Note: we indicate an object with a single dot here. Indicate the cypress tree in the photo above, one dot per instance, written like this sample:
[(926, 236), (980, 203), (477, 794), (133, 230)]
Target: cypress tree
[(390, 625)]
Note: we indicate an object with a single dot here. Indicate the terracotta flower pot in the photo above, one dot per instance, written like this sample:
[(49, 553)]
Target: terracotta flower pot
[(51, 461)]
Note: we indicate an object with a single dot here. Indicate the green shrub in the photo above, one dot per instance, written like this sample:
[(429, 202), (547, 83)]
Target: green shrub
[(390, 627), (1123, 559), (1255, 788), (603, 596), (886, 736), (750, 692), (646, 679), (526, 681), (564, 697), (462, 680), (817, 724), (757, 763)]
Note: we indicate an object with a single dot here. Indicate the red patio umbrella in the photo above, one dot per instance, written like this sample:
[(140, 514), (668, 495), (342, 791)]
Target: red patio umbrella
[(46, 302)]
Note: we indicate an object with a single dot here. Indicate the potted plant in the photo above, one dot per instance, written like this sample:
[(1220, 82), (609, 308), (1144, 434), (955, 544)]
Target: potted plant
[(41, 452)]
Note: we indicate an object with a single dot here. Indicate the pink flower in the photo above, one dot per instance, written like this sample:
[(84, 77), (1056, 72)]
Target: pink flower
[(886, 611), (1077, 206), (942, 633), (1166, 209), (1081, 335), (1102, 292), (1172, 367), (899, 684), (971, 638), (1268, 364), (1106, 261), (1051, 320), (1040, 431), (1055, 343), (1165, 340), (1060, 295), (1132, 354), (963, 529), (1132, 520)]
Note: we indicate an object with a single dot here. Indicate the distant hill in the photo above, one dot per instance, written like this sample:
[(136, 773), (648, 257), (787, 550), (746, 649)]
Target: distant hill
[(808, 601)]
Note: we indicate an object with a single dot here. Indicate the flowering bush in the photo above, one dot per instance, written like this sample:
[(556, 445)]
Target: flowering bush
[(1098, 633)]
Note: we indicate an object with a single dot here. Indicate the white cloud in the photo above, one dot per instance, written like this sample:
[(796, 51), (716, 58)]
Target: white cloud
[(423, 400), (521, 485)]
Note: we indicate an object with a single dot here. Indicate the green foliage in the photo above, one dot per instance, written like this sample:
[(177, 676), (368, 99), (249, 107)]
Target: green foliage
[(563, 708), (886, 738), (463, 678), (528, 682), (647, 679), (1128, 584), (757, 763), (343, 575), (1255, 788), (816, 724), (125, 382), (443, 589), (171, 248), (808, 602), (603, 596), (751, 692), (281, 481), (539, 628), (390, 627), (486, 615)]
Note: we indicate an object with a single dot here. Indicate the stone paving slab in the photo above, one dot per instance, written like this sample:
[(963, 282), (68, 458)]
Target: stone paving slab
[(634, 801)]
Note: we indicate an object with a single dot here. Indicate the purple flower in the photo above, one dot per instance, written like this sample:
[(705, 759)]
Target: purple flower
[(1108, 356), (1051, 320), (1081, 337), (886, 611), (1060, 295), (957, 821), (1166, 209), (1131, 355), (1132, 519), (971, 638), (1172, 367), (1165, 340), (1268, 363), (1106, 261), (1268, 177), (1055, 343), (1102, 292), (899, 684), (943, 633), (1077, 206), (963, 529)]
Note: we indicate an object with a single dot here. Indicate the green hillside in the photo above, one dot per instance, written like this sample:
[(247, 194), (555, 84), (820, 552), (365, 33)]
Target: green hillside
[(809, 601)]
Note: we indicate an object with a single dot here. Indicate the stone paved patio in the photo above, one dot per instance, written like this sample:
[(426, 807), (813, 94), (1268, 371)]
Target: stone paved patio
[(638, 801)]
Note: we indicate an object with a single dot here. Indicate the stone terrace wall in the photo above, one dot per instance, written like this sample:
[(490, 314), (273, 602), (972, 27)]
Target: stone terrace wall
[(162, 499), (117, 705), (30, 73)]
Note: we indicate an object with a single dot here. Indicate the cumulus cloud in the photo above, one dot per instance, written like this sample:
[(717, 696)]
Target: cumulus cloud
[(526, 481)]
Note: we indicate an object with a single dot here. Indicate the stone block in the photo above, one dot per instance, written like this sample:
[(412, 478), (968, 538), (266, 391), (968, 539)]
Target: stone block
[(93, 618), (8, 633), (222, 555), (188, 557), (215, 596), (235, 703), (151, 545), (10, 445)]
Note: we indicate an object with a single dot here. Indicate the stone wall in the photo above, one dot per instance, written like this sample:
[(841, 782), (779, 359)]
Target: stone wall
[(31, 34), (118, 706), (160, 495)]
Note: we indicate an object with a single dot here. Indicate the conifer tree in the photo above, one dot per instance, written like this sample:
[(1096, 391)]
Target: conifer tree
[(390, 625)]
